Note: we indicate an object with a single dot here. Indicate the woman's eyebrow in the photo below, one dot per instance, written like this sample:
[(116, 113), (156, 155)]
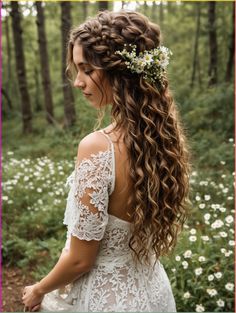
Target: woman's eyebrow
[(82, 63)]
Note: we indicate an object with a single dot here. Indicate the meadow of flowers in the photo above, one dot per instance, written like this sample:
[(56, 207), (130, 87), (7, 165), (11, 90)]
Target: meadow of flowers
[(201, 269)]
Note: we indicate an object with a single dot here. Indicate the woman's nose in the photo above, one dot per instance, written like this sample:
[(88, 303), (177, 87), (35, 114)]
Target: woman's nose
[(79, 83)]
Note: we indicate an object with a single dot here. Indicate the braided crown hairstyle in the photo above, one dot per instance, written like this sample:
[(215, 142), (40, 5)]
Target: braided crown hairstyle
[(147, 115)]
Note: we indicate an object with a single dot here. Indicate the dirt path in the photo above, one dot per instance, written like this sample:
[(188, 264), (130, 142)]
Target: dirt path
[(13, 280)]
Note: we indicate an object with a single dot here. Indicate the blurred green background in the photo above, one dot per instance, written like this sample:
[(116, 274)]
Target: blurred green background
[(36, 160)]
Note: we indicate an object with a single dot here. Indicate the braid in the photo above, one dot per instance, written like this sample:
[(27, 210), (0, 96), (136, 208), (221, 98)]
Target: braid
[(152, 131)]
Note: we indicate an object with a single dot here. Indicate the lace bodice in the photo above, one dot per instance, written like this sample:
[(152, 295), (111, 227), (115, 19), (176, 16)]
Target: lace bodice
[(115, 283)]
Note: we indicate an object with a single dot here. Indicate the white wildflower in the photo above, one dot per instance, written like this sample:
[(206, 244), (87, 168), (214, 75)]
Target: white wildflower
[(212, 292), (220, 303), (193, 231), (197, 198), (205, 238), (188, 254), (200, 308), (223, 234), (187, 295), (192, 238), (201, 259), (207, 197), (198, 271), (210, 277), (202, 205), (231, 242), (207, 216), (229, 219), (177, 258), (229, 286), (185, 264), (218, 275), (217, 224)]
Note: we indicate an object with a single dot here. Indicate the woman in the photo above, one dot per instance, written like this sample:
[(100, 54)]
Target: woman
[(127, 198)]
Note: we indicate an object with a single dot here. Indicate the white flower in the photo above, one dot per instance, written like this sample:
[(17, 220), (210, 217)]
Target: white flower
[(201, 259), (39, 189), (222, 250), (186, 295), (223, 234), (217, 224), (220, 303), (231, 140), (4, 198), (200, 308), (222, 209), (185, 264), (210, 277), (218, 275), (207, 197), (173, 270), (198, 271), (205, 238), (229, 286), (222, 162), (231, 242), (202, 205), (197, 198), (225, 190), (177, 258), (230, 198), (192, 238), (10, 153), (188, 254), (193, 231), (207, 216), (229, 219), (212, 292)]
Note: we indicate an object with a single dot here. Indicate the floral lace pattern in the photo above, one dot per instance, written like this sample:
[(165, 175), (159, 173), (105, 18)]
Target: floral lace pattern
[(115, 284)]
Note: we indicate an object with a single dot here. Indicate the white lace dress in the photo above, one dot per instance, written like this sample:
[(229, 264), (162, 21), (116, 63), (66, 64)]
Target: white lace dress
[(115, 283)]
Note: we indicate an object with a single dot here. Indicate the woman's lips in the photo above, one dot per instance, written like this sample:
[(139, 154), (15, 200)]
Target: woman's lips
[(86, 94)]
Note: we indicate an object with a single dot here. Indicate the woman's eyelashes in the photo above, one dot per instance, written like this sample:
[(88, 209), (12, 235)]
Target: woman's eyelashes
[(88, 72)]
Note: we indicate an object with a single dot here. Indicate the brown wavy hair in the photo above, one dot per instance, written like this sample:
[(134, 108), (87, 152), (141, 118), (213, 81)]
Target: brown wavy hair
[(148, 118)]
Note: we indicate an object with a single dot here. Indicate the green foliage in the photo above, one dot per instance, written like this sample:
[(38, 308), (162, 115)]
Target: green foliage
[(35, 167)]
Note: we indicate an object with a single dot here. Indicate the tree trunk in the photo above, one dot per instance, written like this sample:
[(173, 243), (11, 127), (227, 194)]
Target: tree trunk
[(20, 66), (69, 105), (212, 72), (38, 107), (85, 9), (195, 54), (8, 56), (45, 72), (7, 97), (102, 5), (230, 63)]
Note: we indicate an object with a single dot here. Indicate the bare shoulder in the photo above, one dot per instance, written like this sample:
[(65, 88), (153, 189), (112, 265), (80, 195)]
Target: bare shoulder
[(91, 144)]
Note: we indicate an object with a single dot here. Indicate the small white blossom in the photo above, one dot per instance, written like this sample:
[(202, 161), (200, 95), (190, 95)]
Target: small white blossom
[(210, 277), (212, 292), (229, 219), (192, 231), (231, 242), (4, 198), (197, 198), (229, 286), (202, 205), (39, 190), (177, 258), (217, 224), (223, 234), (201, 259), (200, 308), (207, 216), (218, 275), (231, 140), (205, 238), (198, 271), (192, 238), (187, 295), (207, 197), (220, 303), (188, 254), (222, 209), (185, 264), (173, 270)]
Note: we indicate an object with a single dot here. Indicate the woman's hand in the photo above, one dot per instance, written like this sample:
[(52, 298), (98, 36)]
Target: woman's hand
[(32, 297)]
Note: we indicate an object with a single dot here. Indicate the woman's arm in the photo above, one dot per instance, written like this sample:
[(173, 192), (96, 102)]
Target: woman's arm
[(72, 264)]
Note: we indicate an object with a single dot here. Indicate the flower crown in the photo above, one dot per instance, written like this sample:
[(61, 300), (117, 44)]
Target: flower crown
[(152, 63)]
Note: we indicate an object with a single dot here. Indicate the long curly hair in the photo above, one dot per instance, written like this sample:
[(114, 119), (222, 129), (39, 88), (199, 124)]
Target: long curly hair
[(153, 135)]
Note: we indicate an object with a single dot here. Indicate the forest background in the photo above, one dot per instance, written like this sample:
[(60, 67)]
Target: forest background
[(43, 120)]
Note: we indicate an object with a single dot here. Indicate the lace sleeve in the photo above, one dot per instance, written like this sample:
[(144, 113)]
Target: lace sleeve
[(92, 184)]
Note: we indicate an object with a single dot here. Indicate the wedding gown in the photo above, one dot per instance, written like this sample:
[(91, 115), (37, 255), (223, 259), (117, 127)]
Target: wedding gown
[(115, 283)]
